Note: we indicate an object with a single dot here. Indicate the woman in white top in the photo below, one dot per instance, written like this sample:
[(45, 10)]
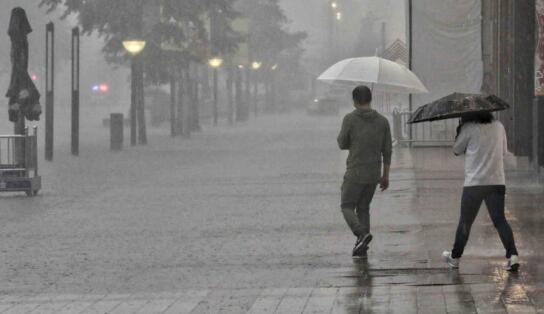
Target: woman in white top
[(482, 140)]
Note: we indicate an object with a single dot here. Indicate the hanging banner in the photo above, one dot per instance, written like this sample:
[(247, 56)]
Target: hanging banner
[(446, 55), (539, 51), (446, 47)]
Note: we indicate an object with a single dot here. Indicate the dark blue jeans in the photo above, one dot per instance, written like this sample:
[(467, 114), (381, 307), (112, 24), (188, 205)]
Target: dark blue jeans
[(493, 196)]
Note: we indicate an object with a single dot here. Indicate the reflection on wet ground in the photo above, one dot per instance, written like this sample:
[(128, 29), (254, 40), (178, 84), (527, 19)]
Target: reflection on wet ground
[(436, 290), (216, 232)]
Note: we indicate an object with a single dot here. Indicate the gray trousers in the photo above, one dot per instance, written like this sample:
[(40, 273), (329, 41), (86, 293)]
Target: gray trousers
[(356, 198)]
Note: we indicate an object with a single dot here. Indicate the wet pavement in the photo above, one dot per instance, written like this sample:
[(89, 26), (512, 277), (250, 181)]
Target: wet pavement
[(246, 219)]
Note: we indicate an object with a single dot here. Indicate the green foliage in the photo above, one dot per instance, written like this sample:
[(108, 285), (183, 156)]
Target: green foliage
[(182, 23), (268, 37), (185, 25)]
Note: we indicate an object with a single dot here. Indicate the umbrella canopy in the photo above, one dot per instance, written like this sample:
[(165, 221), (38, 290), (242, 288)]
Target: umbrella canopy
[(381, 74), (456, 105), (22, 93)]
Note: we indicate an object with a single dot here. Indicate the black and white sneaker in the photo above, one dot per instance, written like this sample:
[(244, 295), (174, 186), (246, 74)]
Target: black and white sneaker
[(448, 259), (513, 264), (359, 255), (361, 246)]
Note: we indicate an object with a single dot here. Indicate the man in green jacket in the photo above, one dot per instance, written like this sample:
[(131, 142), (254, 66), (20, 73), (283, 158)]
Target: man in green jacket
[(367, 136)]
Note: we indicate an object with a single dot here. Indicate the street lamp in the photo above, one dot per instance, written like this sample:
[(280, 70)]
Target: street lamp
[(339, 16), (272, 86), (215, 63), (334, 5), (255, 65), (134, 48)]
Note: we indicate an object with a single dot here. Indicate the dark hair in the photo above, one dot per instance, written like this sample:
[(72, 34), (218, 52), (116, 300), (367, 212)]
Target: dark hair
[(362, 95), (483, 117)]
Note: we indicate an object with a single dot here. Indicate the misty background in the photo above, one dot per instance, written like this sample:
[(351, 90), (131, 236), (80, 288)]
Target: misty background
[(366, 28)]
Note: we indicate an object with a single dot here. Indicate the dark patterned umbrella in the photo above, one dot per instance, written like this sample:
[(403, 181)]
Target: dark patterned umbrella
[(456, 105), (22, 93)]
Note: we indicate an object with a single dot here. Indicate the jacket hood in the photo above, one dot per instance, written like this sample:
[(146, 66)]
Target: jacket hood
[(366, 113)]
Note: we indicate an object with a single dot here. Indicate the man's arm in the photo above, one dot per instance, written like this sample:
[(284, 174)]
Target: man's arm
[(384, 181), (387, 152), (343, 137), (505, 141)]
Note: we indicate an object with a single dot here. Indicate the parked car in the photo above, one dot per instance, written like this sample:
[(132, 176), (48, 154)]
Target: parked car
[(324, 106)]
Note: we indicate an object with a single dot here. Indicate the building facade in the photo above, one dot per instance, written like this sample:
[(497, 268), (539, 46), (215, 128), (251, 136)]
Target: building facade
[(509, 42)]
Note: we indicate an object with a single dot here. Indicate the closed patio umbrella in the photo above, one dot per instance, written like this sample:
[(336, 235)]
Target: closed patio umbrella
[(22, 93)]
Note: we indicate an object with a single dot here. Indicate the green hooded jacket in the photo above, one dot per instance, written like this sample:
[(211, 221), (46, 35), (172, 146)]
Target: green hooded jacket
[(367, 136)]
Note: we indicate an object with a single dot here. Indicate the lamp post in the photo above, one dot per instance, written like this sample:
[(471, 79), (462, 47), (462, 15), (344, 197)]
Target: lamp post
[(215, 63), (255, 66), (134, 48), (272, 87)]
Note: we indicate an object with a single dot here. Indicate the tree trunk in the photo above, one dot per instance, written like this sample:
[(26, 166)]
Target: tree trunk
[(239, 112), (186, 104), (230, 96), (173, 100), (248, 92), (179, 104), (142, 132), (195, 112)]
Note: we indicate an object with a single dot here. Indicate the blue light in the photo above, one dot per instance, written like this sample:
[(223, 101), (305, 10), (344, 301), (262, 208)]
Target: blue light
[(96, 88)]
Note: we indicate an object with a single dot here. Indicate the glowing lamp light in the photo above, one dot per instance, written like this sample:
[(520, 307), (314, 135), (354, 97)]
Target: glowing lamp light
[(339, 16), (215, 62), (104, 88), (240, 66), (334, 5), (96, 88), (274, 67), (256, 65), (134, 47)]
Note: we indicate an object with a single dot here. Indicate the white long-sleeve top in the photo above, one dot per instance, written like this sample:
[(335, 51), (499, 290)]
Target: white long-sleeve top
[(484, 146)]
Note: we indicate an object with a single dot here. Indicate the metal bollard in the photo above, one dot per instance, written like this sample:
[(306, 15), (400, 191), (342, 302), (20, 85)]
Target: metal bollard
[(116, 131)]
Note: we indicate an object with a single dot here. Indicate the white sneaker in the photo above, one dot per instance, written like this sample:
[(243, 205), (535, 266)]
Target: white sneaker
[(513, 263), (452, 262)]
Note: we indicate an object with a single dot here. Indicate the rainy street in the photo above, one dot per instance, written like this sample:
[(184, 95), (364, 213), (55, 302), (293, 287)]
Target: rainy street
[(271, 156), (247, 220)]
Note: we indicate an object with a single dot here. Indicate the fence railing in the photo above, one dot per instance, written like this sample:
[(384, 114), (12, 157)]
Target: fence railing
[(438, 133), (18, 154)]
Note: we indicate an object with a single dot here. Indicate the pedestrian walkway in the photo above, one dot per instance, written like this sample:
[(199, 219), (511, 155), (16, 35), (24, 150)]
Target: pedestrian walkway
[(246, 220)]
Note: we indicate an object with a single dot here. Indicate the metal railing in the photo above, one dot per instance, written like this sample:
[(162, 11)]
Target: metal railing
[(18, 154), (439, 133)]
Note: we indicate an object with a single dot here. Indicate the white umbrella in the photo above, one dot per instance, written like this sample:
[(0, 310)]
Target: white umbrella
[(381, 74)]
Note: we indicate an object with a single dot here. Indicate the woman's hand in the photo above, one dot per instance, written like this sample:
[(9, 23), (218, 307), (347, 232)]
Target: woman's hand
[(459, 127)]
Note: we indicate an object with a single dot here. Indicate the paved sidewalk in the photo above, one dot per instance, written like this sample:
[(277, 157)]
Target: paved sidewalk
[(246, 220)]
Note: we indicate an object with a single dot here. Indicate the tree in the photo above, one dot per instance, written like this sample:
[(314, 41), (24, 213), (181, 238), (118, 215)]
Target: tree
[(182, 24), (271, 43), (268, 35)]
